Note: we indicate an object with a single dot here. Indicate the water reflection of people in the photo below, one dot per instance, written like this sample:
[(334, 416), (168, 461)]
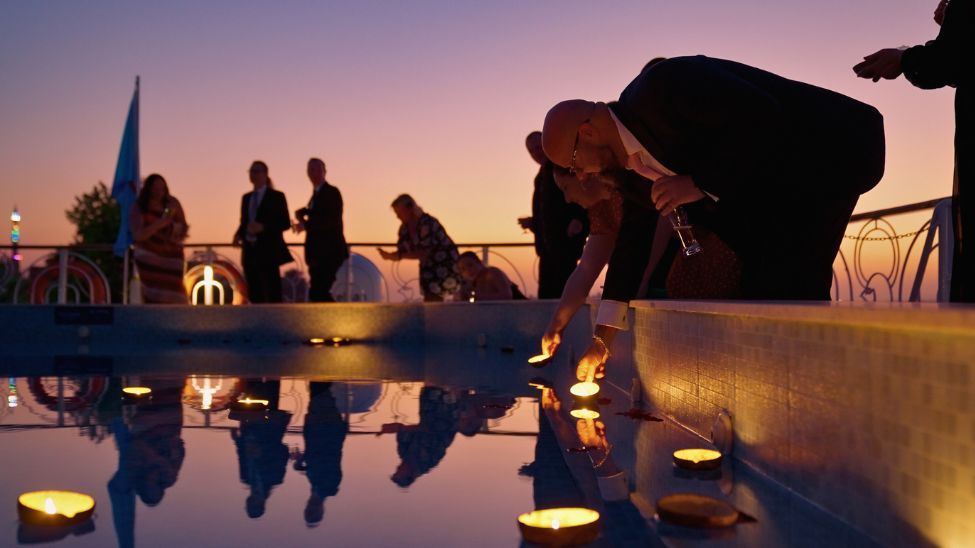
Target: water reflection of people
[(324, 433), (151, 452), (443, 413), (422, 446), (261, 455)]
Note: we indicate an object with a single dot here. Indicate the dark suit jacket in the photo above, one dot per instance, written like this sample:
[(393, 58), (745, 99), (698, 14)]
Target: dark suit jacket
[(551, 216), (273, 214), (325, 240), (634, 241), (743, 133)]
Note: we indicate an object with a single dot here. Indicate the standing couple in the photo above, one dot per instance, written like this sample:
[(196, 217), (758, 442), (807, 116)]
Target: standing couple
[(263, 220)]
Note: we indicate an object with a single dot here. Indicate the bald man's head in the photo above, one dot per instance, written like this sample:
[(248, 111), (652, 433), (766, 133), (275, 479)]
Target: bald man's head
[(561, 128)]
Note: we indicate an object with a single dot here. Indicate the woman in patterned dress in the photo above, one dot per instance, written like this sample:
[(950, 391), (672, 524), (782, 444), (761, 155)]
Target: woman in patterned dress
[(158, 230), (422, 237)]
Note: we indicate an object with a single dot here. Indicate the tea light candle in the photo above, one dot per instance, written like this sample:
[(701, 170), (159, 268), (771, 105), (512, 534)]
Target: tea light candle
[(55, 508), (697, 459), (247, 400), (539, 360), (137, 391), (315, 341), (560, 526), (586, 389)]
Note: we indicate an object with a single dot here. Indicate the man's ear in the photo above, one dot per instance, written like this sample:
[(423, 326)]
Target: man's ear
[(588, 132)]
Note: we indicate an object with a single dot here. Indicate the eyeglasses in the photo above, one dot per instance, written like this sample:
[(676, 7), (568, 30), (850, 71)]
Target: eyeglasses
[(573, 169)]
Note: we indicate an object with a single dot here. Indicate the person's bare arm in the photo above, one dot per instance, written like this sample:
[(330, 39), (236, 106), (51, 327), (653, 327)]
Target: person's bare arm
[(595, 256)]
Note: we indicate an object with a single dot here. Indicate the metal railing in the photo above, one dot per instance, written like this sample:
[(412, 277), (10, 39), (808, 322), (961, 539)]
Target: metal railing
[(879, 268), (66, 275), (872, 264)]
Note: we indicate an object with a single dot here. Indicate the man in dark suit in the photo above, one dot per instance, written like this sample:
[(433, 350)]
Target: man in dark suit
[(325, 247), (784, 162), (948, 60), (263, 219), (560, 227)]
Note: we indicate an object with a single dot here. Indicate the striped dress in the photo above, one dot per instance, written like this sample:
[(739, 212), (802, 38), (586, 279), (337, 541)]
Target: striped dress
[(159, 259)]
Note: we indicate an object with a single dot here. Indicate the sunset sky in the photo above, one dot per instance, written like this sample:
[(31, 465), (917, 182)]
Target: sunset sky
[(430, 98)]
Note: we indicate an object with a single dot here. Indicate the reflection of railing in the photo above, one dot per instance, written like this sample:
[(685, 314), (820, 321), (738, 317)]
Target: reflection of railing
[(63, 275), (880, 268)]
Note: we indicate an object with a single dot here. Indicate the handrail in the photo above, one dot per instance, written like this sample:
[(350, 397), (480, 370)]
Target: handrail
[(109, 247), (897, 210)]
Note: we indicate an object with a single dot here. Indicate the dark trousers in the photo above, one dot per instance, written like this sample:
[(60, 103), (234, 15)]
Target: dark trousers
[(963, 199), (787, 251), (263, 279), (553, 271), (322, 277)]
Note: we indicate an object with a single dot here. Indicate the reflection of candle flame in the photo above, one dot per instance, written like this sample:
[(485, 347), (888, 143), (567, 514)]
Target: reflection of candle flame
[(49, 507), (207, 391), (555, 524)]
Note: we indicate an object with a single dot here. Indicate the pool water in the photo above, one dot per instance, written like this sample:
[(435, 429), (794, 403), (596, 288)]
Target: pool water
[(342, 462)]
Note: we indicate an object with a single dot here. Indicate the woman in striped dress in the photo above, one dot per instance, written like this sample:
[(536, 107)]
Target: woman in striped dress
[(158, 229)]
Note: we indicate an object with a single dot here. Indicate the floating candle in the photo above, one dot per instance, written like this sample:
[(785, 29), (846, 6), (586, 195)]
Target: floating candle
[(137, 390), (540, 360), (586, 414), (560, 526), (697, 459), (55, 508)]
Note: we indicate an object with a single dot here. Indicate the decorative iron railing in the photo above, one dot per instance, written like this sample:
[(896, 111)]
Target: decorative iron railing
[(876, 262), (874, 265)]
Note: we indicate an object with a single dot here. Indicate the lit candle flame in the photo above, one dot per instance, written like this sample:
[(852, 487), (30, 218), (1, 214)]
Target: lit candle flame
[(49, 507), (555, 524)]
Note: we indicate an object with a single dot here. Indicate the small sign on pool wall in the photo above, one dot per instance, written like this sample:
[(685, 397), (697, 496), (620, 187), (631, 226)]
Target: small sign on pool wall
[(84, 315)]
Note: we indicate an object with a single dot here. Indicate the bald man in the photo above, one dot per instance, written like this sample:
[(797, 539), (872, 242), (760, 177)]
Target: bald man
[(784, 162)]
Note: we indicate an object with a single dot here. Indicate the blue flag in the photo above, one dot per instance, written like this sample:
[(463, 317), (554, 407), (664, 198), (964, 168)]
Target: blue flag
[(125, 186)]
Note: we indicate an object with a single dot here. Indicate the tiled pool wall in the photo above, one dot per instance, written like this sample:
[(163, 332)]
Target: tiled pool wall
[(868, 411)]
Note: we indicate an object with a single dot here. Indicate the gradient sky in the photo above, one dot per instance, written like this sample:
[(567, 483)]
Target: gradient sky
[(430, 98)]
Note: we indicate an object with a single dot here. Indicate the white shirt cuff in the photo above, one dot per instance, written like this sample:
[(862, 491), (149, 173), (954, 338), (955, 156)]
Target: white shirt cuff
[(613, 488), (614, 314)]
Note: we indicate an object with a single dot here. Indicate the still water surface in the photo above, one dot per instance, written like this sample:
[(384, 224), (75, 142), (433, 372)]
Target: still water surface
[(364, 462)]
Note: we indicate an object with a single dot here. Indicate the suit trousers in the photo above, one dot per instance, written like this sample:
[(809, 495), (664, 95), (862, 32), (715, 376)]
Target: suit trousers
[(787, 252), (322, 277), (263, 279)]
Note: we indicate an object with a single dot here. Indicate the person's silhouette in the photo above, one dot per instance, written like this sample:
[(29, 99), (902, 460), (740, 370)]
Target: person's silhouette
[(261, 455), (151, 452), (324, 434)]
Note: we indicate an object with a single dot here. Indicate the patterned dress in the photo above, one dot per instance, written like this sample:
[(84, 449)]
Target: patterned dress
[(159, 259), (439, 276)]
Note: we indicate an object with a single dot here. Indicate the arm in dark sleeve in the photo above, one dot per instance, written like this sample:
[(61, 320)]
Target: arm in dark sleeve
[(326, 215), (730, 128), (242, 227), (280, 220), (631, 254), (942, 61)]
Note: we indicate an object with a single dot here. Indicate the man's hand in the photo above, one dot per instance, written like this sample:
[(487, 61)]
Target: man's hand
[(298, 227), (885, 64), (592, 434), (388, 255), (939, 12), (550, 342), (670, 192), (525, 223), (592, 360), (575, 227)]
